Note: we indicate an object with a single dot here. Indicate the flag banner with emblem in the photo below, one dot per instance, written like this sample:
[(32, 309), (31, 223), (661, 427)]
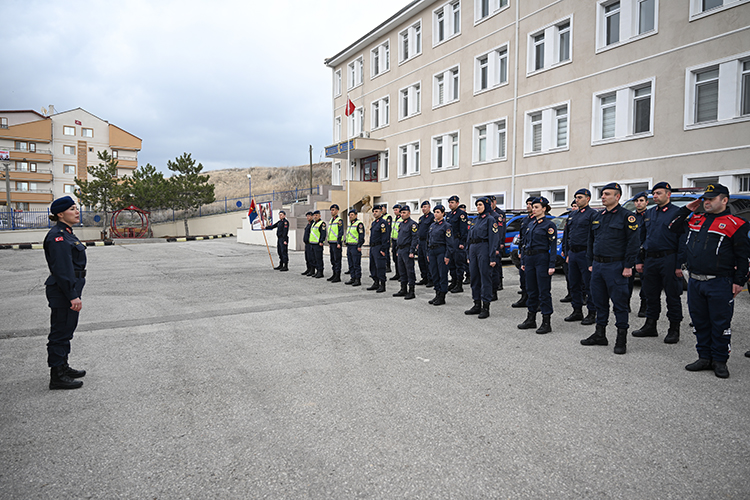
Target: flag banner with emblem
[(252, 214), (349, 108), (78, 122)]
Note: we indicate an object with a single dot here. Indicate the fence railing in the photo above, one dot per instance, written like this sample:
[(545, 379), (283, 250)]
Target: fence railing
[(39, 219)]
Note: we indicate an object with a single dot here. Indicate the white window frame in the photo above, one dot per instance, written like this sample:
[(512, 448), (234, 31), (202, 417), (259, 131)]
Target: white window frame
[(337, 83), (551, 54), (413, 36), (84, 130), (414, 101), (496, 58), (336, 174), (32, 167), (413, 158), (450, 30), (445, 151), (451, 81), (65, 150), (492, 146), (356, 123), (494, 8), (628, 191), (337, 128), (381, 114), (625, 109), (629, 29), (380, 59), (497, 194), (549, 193), (385, 165), (69, 188), (729, 92), (549, 129), (413, 205), (73, 168), (697, 12), (355, 73), (68, 130), (729, 178)]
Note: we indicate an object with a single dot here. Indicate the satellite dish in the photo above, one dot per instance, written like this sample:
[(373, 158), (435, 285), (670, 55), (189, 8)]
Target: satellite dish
[(44, 111)]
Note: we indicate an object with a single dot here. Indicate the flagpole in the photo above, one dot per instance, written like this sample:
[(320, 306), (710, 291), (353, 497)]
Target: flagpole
[(263, 229), (348, 163)]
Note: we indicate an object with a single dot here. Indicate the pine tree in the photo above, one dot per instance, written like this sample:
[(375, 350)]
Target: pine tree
[(102, 190), (189, 190)]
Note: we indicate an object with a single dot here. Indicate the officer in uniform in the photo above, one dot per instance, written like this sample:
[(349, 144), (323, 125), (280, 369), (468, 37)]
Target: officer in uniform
[(335, 235), (575, 243), (379, 241), (538, 263), (317, 237), (641, 204), (309, 255), (396, 223), (467, 277), (521, 274), (660, 262), (355, 238), (389, 219), (718, 258), (612, 250), (497, 271), (282, 241), (66, 260), (407, 250), (425, 221), (482, 240), (459, 223), (441, 246)]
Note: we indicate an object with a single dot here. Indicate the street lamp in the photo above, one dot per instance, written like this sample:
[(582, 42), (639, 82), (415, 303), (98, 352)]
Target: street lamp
[(250, 187)]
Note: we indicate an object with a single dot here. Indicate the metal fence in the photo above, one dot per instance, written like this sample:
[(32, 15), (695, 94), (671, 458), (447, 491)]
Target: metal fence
[(39, 219)]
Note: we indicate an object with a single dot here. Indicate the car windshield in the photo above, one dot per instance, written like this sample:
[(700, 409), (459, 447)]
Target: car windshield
[(514, 225), (679, 200), (560, 222)]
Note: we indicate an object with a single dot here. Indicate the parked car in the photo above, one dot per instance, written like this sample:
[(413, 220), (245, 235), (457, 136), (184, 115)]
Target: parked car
[(560, 222)]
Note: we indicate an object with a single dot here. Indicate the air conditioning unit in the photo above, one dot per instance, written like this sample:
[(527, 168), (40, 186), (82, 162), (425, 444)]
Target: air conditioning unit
[(364, 135)]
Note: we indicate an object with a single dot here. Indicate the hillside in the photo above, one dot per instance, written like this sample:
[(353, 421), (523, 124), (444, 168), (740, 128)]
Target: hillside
[(232, 183)]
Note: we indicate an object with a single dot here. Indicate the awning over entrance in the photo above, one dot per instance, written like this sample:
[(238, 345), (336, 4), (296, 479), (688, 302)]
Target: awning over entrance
[(361, 147)]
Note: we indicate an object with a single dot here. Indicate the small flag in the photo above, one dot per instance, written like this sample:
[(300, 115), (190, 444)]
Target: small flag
[(252, 214), (349, 108), (78, 122)]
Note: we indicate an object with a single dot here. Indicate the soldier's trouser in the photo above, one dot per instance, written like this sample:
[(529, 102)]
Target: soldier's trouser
[(481, 272), (335, 257), (309, 256), (63, 322), (607, 282), (439, 269), (282, 247), (317, 251), (354, 259), (406, 267), (580, 281), (377, 265), (538, 282), (658, 274), (711, 306), (424, 267)]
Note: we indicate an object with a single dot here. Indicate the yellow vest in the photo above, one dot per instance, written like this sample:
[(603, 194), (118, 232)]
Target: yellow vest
[(352, 235), (315, 232), (394, 228), (333, 230)]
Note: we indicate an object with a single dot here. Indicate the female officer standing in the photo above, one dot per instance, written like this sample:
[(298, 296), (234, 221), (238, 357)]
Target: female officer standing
[(482, 243), (66, 259), (538, 262), (439, 253)]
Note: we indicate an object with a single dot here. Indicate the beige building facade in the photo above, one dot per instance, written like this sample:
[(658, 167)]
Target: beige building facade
[(477, 97), (47, 152)]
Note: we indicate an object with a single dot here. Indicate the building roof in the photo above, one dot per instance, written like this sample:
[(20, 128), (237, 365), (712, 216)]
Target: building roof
[(22, 111)]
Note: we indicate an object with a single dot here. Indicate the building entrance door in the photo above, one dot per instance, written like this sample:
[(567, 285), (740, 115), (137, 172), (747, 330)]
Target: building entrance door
[(369, 169)]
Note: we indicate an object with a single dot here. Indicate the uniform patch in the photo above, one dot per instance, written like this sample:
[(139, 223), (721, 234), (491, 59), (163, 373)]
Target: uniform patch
[(59, 238), (494, 227), (382, 228), (722, 226), (414, 228), (463, 217), (551, 231), (631, 219), (633, 227), (448, 233)]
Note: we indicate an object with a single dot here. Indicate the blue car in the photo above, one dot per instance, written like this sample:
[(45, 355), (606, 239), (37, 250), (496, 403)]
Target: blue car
[(560, 222)]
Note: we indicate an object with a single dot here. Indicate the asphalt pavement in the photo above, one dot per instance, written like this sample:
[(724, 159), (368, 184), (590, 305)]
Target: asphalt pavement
[(210, 375)]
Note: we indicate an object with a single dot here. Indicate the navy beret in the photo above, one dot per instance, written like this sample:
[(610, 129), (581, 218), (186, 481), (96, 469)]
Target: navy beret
[(661, 185), (61, 205), (317, 212), (530, 199), (542, 200), (334, 206), (282, 212), (713, 190), (309, 213), (439, 207), (406, 207), (425, 202), (613, 185), (462, 206), (642, 193), (352, 211), (454, 198), (584, 192), (397, 206), (492, 197)]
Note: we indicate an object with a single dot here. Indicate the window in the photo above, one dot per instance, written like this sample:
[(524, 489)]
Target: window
[(384, 165), (490, 142), (336, 174), (355, 73), (69, 169), (555, 195), (22, 146), (446, 22), (410, 99), (26, 186), (701, 8), (337, 83), (380, 57), (87, 132), (3, 122), (22, 166), (381, 110), (115, 153), (549, 46), (547, 130), (703, 182), (629, 188), (69, 189), (69, 150), (356, 122), (408, 159), (445, 151), (22, 206), (337, 129), (499, 198), (623, 21), (491, 69), (69, 130), (445, 87), (32, 167), (410, 42), (623, 113), (743, 183), (486, 8), (32, 147), (718, 92)]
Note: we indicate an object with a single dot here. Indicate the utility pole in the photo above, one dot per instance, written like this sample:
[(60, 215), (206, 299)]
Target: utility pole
[(311, 169), (5, 156)]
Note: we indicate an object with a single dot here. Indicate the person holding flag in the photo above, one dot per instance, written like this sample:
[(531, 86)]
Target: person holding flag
[(282, 237)]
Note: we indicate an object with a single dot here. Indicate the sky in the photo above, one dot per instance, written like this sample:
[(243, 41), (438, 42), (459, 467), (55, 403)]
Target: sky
[(235, 83)]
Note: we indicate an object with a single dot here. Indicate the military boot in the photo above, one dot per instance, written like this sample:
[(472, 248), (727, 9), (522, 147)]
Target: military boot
[(432, 300), (590, 318), (621, 341), (421, 282), (306, 273), (566, 299), (396, 277), (336, 278), (374, 286), (381, 287), (319, 274), (357, 282), (278, 268), (521, 302), (410, 294), (429, 283), (494, 296), (331, 278), (720, 369), (673, 334), (72, 372), (529, 322), (598, 338), (546, 325), (402, 292), (285, 268), (576, 315), (701, 364), (648, 329), (642, 309), (459, 288), (60, 380), (485, 312), (349, 281), (440, 299), (476, 309)]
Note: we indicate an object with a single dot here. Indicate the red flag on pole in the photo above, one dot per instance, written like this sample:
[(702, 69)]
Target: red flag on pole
[(78, 122), (252, 214), (349, 108)]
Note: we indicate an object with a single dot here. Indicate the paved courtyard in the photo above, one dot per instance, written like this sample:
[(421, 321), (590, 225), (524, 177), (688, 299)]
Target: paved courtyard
[(212, 376)]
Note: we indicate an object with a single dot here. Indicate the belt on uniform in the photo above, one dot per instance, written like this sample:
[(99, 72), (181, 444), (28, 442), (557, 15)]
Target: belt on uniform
[(605, 260), (478, 240), (437, 246), (423, 239), (80, 274), (656, 255), (702, 277), (577, 248), (404, 246), (533, 252)]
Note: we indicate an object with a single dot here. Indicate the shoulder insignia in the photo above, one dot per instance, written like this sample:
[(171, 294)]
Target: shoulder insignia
[(340, 222), (595, 222), (414, 228), (361, 228), (631, 218), (59, 238), (463, 217), (494, 227), (633, 227), (551, 231), (448, 233), (722, 226), (323, 226)]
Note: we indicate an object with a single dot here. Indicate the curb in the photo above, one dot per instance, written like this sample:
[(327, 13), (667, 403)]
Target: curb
[(39, 246), (198, 238)]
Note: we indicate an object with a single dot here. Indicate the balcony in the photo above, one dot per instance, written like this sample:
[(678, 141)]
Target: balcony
[(43, 155), (27, 175), (28, 196)]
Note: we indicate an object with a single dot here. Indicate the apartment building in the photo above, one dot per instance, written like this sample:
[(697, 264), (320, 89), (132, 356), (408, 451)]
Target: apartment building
[(511, 98), (47, 152)]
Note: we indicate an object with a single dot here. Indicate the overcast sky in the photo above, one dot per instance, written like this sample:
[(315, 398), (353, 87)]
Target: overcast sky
[(235, 83)]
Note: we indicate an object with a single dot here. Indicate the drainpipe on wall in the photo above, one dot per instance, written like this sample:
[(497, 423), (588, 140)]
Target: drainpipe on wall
[(515, 118)]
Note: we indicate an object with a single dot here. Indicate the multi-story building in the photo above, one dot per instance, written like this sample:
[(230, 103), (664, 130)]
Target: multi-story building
[(519, 98), (48, 152)]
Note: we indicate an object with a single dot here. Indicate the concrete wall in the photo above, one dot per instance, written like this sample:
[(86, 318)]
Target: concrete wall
[(199, 226)]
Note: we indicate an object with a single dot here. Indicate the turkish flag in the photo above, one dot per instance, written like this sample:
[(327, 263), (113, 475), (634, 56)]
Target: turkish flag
[(349, 108), (78, 122)]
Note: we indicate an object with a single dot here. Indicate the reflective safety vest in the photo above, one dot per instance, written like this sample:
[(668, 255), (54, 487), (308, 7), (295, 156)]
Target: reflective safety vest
[(333, 230), (352, 235), (315, 232), (394, 228)]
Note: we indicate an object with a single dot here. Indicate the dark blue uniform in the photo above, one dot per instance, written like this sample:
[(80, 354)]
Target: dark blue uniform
[(631, 282), (612, 246), (354, 252), (717, 253), (482, 244), (575, 244), (309, 256), (440, 246), (335, 247), (497, 271), (66, 259), (521, 273), (538, 257), (459, 223), (407, 244), (379, 241), (425, 221), (282, 239)]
